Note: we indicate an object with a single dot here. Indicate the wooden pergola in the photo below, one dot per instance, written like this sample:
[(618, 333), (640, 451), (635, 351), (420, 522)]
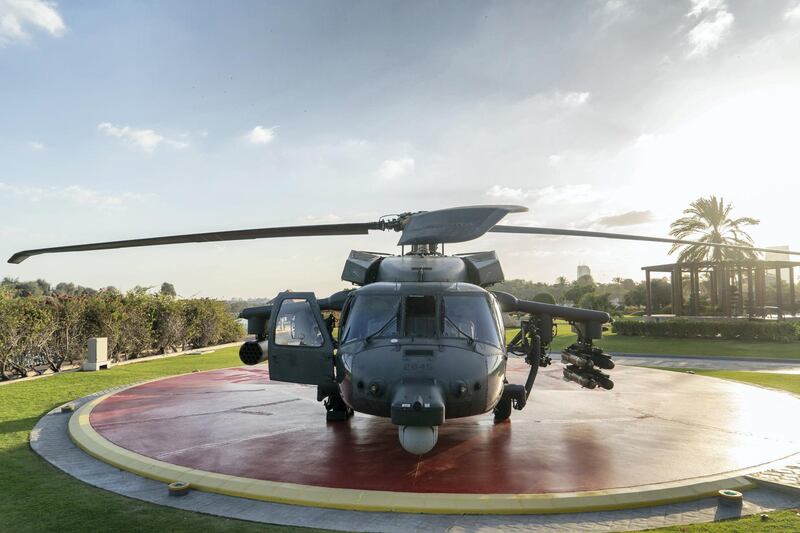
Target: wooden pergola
[(737, 287)]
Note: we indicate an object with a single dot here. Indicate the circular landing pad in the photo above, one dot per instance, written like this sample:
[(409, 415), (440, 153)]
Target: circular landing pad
[(658, 437)]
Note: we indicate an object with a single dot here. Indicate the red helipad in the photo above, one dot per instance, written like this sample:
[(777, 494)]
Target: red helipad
[(656, 431)]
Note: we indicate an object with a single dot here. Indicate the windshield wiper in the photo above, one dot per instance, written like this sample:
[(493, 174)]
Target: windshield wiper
[(469, 339), (380, 330)]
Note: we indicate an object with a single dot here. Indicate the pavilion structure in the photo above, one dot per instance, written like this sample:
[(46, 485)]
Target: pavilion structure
[(735, 287)]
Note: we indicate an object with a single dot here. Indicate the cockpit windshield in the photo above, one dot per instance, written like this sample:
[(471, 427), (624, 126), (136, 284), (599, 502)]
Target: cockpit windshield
[(469, 316), (466, 316), (372, 315)]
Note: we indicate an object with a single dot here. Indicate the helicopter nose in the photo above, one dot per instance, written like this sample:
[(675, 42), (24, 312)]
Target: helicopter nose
[(418, 403), (418, 410)]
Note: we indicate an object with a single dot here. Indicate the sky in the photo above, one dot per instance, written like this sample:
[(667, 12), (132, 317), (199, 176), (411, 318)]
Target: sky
[(142, 118)]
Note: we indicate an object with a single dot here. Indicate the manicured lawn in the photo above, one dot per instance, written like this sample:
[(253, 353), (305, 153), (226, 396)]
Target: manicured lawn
[(783, 521), (34, 496), (612, 342), (786, 382)]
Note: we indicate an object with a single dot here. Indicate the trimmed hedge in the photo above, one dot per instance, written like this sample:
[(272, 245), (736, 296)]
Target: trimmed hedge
[(781, 331), (49, 331)]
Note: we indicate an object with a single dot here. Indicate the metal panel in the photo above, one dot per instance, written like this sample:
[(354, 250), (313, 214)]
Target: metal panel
[(415, 268), (361, 267), (301, 348), (483, 268)]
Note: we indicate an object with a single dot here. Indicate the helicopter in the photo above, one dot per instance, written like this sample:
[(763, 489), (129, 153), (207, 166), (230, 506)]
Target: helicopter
[(421, 338)]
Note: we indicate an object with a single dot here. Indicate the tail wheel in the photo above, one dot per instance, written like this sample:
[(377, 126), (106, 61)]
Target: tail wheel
[(502, 410)]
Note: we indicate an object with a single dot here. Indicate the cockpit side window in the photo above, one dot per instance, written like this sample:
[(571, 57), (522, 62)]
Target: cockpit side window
[(371, 315), (295, 325), (470, 315), (420, 316)]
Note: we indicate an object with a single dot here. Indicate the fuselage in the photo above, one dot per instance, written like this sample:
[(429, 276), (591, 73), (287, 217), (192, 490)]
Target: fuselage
[(421, 352)]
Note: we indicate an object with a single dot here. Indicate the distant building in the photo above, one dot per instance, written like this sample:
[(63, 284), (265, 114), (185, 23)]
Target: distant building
[(584, 270)]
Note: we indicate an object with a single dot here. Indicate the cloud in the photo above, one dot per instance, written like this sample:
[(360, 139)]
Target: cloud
[(147, 140), (509, 193), (631, 218), (36, 146), (549, 195), (714, 26), (260, 135), (74, 194), (17, 15), (555, 100), (615, 11), (574, 99), (612, 6), (793, 13), (702, 7), (553, 160), (330, 218), (394, 168), (567, 194)]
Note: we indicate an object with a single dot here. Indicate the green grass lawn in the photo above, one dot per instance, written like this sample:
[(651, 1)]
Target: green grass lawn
[(783, 521), (612, 342), (35, 496), (785, 382)]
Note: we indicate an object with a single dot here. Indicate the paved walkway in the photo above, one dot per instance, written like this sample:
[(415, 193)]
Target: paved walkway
[(787, 477), (784, 366)]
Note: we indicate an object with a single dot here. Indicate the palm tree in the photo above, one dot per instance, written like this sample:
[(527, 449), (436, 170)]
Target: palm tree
[(709, 220)]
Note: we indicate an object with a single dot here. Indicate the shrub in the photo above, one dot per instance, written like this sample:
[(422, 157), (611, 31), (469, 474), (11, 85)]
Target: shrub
[(46, 331), (710, 329)]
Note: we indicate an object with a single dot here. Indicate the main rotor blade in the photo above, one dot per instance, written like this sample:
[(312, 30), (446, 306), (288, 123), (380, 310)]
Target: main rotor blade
[(455, 224), (215, 236), (626, 237)]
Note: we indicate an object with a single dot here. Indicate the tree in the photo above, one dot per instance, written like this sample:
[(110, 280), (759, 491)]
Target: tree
[(660, 291), (709, 220), (68, 341), (579, 287), (545, 298), (598, 302), (169, 326), (168, 289), (26, 288)]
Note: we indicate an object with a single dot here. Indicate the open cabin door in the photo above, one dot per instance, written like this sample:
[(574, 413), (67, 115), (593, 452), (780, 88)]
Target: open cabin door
[(300, 346)]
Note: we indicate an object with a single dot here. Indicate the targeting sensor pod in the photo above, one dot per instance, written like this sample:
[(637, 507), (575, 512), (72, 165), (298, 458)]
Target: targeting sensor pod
[(418, 439)]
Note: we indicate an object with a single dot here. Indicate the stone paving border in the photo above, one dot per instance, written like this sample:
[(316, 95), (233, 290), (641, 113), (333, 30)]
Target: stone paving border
[(785, 478), (50, 440)]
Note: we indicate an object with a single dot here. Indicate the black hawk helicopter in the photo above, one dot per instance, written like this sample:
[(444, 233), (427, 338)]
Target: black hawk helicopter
[(422, 339)]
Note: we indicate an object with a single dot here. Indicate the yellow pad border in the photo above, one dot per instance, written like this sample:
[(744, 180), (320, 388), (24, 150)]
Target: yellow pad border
[(89, 440)]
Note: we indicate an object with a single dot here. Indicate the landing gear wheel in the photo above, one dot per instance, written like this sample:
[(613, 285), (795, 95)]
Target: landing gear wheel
[(338, 411), (502, 410)]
